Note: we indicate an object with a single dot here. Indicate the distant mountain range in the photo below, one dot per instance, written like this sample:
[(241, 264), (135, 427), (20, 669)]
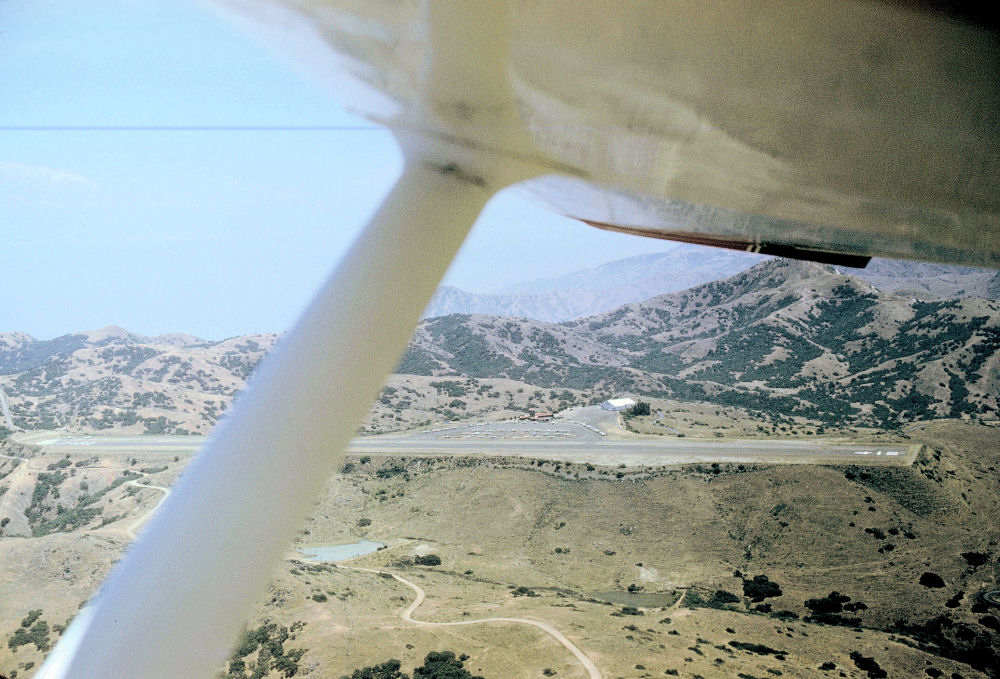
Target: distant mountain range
[(600, 289), (789, 337), (795, 338), (609, 286), (925, 280)]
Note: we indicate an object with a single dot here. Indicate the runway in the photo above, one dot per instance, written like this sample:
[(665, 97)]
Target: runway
[(574, 442), (564, 440)]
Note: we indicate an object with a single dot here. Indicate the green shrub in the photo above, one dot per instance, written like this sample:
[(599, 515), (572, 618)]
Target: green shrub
[(33, 630), (932, 580), (639, 409), (390, 669), (721, 598), (442, 665), (760, 588), (759, 649), (868, 665), (270, 639), (437, 665)]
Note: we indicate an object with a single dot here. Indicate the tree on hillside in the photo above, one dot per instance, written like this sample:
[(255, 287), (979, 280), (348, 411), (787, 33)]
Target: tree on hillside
[(640, 408), (442, 665), (437, 665), (387, 670)]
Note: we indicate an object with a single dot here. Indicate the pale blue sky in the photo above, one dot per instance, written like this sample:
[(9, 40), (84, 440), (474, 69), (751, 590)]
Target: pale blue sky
[(215, 233)]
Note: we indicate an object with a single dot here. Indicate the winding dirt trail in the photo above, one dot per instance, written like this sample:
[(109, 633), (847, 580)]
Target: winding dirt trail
[(135, 525), (407, 616), (677, 604), (24, 469)]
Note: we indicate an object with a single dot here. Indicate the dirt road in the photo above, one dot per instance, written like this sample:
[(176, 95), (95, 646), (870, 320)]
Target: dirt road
[(134, 526), (407, 616)]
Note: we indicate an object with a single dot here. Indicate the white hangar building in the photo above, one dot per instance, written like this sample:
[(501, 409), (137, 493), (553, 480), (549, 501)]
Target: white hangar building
[(617, 404)]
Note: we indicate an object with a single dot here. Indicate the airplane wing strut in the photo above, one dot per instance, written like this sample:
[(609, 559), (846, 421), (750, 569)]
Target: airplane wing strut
[(802, 128), (174, 605)]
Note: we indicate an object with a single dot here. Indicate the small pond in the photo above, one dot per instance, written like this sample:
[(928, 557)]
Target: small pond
[(330, 553)]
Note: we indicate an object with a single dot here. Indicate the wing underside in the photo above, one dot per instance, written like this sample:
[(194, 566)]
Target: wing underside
[(861, 128), (837, 130)]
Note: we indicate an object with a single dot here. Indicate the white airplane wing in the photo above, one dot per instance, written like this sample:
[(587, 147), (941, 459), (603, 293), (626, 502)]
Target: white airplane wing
[(866, 128), (825, 130)]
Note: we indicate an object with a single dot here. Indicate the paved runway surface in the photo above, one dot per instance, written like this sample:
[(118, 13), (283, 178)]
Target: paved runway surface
[(561, 440), (567, 440), (110, 443)]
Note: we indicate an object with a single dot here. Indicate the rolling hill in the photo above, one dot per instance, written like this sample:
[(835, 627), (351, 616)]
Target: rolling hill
[(786, 339), (112, 379), (790, 337), (625, 281), (717, 571)]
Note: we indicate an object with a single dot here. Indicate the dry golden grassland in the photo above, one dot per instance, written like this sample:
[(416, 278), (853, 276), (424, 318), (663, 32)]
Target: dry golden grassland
[(519, 539), (672, 418)]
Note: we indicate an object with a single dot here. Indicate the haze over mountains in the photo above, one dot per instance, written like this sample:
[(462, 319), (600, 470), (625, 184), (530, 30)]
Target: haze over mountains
[(929, 281), (780, 349), (609, 286), (793, 338), (790, 337), (600, 289)]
